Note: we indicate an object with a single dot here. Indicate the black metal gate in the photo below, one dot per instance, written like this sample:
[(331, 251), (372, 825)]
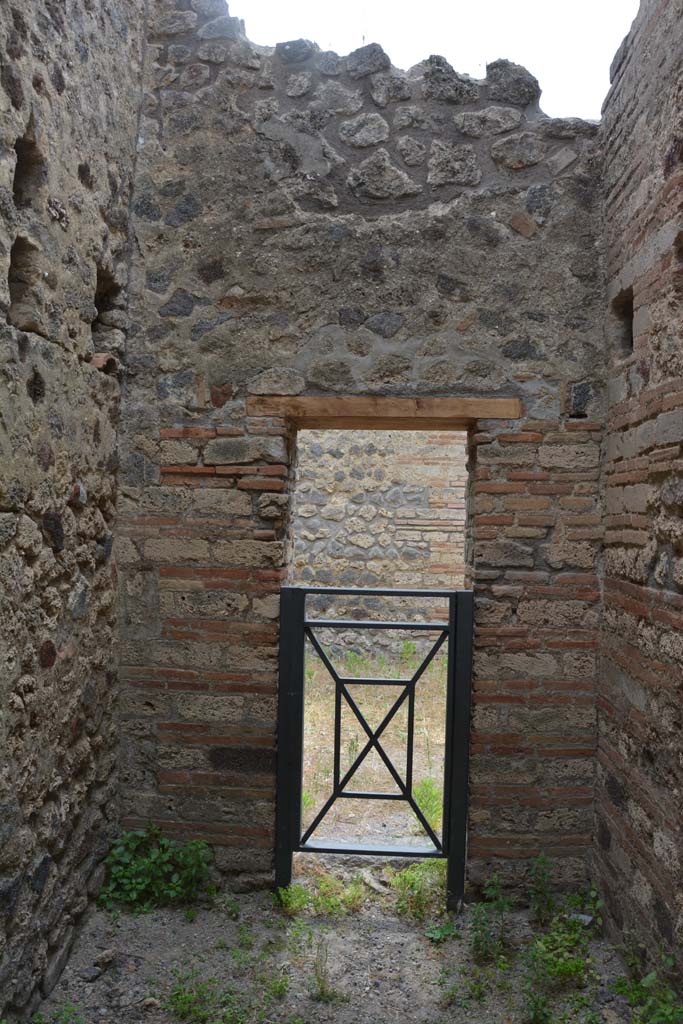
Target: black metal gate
[(456, 633)]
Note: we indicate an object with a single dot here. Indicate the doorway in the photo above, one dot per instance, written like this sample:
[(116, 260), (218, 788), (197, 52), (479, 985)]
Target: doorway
[(375, 662)]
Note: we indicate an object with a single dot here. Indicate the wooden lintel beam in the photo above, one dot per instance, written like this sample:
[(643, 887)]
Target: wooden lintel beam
[(362, 412)]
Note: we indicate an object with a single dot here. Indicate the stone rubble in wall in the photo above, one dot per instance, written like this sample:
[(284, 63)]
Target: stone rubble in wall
[(456, 250), (65, 180), (317, 92)]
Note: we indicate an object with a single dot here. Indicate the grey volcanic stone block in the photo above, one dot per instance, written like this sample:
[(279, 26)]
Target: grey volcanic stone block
[(364, 130), (378, 178), (441, 82), (221, 28), (450, 163), (511, 83), (367, 60), (518, 151), (296, 51), (490, 121)]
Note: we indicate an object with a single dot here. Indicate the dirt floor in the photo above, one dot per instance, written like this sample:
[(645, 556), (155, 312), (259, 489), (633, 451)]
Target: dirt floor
[(354, 953)]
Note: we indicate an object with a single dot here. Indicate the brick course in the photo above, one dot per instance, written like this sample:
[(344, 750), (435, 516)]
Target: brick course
[(639, 829)]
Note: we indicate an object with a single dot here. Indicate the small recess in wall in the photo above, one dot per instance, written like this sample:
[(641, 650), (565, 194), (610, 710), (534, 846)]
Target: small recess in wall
[(30, 171), (678, 264), (85, 176), (106, 327), (107, 292), (25, 308), (35, 387), (622, 316), (579, 396)]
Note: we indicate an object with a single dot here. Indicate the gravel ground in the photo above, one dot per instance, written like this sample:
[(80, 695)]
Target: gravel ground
[(372, 966)]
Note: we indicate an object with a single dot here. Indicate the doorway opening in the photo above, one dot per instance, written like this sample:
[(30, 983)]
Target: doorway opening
[(377, 535)]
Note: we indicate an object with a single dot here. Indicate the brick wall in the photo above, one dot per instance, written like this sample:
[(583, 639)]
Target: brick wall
[(309, 224), (639, 836)]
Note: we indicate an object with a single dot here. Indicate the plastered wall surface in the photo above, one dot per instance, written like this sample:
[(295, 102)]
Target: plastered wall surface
[(313, 224), (69, 98), (639, 828)]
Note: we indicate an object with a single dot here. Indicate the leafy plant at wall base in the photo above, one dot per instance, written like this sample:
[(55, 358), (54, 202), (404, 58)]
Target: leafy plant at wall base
[(651, 998), (500, 903), (556, 960), (231, 907), (147, 870)]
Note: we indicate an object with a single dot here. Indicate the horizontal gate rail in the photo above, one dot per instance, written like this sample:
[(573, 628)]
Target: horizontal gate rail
[(370, 592), (456, 634), (431, 627)]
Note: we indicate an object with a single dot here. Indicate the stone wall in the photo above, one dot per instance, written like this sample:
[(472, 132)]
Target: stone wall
[(383, 508), (69, 96), (639, 842), (313, 224)]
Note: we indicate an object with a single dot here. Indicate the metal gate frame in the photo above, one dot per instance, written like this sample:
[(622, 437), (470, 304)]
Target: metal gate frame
[(457, 632)]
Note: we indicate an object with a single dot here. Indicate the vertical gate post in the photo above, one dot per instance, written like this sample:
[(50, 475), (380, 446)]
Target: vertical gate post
[(461, 625), (290, 722)]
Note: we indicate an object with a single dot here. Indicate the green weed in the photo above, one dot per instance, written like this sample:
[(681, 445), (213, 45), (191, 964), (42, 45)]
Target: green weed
[(299, 936), (332, 897), (538, 1009), (292, 900), (147, 870), (438, 933), (587, 903), (231, 907), (245, 936), (203, 1001), (651, 998), (278, 986), (476, 986), (419, 888), (408, 650), (307, 800), (429, 798), (323, 989), (353, 747), (559, 957), (355, 664), (556, 960), (541, 899), (485, 940), (67, 1014), (488, 929)]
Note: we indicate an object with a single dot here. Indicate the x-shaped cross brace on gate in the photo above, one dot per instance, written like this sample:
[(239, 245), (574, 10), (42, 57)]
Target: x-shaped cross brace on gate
[(373, 737)]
